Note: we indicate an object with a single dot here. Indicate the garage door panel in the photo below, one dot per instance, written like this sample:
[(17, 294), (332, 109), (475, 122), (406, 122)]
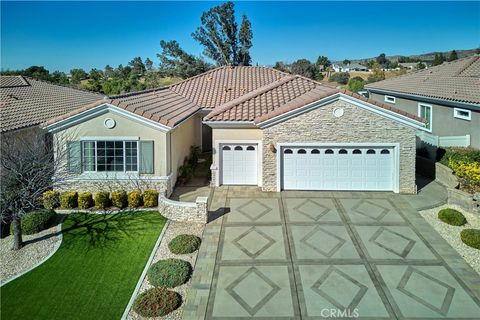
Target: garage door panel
[(239, 164)]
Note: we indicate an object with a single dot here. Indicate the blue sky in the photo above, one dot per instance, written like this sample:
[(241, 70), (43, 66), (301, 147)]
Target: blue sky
[(64, 35)]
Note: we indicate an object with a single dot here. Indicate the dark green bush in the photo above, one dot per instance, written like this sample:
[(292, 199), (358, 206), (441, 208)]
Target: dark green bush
[(169, 273), (119, 199), (36, 221), (69, 200), (184, 243), (340, 77), (51, 199), (458, 154), (156, 302), (452, 217), (102, 200), (134, 199), (85, 200), (150, 198), (471, 237)]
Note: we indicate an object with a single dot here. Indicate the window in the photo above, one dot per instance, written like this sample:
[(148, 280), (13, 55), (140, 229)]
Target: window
[(342, 151), (425, 111), (385, 151), (227, 148), (370, 151), (357, 151), (250, 148), (110, 156), (462, 114), (238, 148), (329, 151), (288, 151), (315, 151), (390, 99), (301, 151)]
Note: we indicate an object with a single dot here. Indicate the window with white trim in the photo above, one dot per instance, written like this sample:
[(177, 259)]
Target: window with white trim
[(390, 99), (425, 111), (110, 156), (462, 114)]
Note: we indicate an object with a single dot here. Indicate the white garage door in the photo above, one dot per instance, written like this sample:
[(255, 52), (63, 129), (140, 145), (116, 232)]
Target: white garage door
[(339, 168), (239, 164)]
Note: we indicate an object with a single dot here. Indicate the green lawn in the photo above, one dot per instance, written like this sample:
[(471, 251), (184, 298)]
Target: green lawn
[(93, 273)]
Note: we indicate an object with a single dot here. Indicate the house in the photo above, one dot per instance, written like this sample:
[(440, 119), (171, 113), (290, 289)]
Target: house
[(348, 67), (409, 65), (447, 96), (265, 127), (26, 102)]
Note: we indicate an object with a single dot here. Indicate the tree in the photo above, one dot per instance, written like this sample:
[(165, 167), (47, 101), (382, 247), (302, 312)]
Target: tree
[(77, 75), (420, 66), (356, 84), (95, 80), (323, 61), (438, 60), (59, 77), (109, 72), (346, 62), (37, 72), (377, 74), (28, 168), (304, 68), (148, 64), (138, 68), (175, 62), (453, 56), (340, 77), (219, 36), (381, 59), (281, 66)]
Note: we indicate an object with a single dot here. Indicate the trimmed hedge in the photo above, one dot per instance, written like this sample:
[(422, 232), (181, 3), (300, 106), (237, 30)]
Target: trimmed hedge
[(169, 273), (102, 200), (452, 217), (184, 243), (134, 199), (119, 199), (51, 199), (85, 200), (36, 221), (156, 302), (471, 237), (69, 200), (150, 198)]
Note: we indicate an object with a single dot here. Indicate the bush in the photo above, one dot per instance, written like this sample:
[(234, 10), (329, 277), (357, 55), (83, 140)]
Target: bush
[(134, 199), (340, 77), (169, 273), (69, 199), (51, 199), (193, 156), (452, 217), (36, 221), (471, 237), (468, 172), (458, 155), (184, 243), (85, 200), (156, 302), (356, 84), (102, 200), (150, 198), (119, 199)]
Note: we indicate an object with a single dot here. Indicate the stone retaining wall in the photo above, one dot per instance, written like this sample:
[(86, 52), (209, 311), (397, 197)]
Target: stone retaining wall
[(184, 211), (463, 200)]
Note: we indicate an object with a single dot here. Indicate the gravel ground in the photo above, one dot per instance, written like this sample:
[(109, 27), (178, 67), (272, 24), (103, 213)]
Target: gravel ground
[(174, 229), (452, 233), (15, 262)]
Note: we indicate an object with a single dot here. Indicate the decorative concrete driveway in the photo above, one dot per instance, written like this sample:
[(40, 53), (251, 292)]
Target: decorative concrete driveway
[(318, 255)]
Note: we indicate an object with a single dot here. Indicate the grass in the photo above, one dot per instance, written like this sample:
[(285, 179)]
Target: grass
[(93, 273)]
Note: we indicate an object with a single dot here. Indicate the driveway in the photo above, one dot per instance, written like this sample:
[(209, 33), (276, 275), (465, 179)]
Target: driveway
[(320, 255)]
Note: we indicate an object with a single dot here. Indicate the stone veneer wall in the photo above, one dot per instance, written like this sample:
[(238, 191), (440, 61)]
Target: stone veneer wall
[(356, 125), (184, 211)]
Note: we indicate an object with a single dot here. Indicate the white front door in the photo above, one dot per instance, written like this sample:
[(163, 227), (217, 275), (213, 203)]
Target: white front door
[(239, 164), (338, 168)]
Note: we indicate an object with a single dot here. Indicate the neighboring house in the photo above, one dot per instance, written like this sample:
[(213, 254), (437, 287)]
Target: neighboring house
[(348, 67), (447, 96), (26, 102), (409, 65), (265, 127)]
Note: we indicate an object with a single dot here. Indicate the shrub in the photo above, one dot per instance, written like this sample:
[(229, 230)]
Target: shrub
[(340, 77), (85, 200), (156, 302), (51, 199), (150, 198), (193, 156), (69, 199), (458, 155), (102, 200), (468, 172), (356, 84), (184, 243), (36, 221), (471, 237), (169, 273), (119, 199), (134, 199), (452, 217)]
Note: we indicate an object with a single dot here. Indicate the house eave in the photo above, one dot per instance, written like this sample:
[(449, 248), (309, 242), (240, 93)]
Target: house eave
[(231, 124)]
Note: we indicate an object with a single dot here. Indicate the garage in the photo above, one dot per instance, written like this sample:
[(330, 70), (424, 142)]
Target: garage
[(365, 168), (239, 164)]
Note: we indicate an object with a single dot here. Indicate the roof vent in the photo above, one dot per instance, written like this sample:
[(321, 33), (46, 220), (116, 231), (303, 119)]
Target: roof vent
[(227, 89)]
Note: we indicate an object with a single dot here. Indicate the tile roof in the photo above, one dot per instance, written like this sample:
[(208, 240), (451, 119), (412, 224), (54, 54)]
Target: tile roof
[(27, 102), (458, 81), (234, 94)]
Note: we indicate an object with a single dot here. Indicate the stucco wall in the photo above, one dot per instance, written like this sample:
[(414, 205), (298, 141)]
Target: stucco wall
[(356, 125), (444, 123)]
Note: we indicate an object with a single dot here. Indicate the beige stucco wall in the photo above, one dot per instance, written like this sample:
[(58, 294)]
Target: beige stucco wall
[(356, 125)]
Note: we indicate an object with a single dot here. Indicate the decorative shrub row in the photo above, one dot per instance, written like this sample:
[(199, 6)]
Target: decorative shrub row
[(36, 221), (452, 217), (156, 302), (100, 200), (184, 243), (169, 273)]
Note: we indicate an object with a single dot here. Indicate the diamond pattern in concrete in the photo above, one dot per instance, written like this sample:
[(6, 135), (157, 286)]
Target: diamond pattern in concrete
[(393, 242), (331, 244), (312, 209), (253, 242), (256, 210)]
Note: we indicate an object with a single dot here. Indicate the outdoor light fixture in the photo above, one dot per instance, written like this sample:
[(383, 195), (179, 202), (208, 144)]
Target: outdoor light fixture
[(272, 148)]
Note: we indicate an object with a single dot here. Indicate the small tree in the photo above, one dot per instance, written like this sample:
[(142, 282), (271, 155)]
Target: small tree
[(323, 62), (346, 62), (377, 74), (438, 60), (304, 68), (420, 66), (453, 56), (340, 77), (356, 84)]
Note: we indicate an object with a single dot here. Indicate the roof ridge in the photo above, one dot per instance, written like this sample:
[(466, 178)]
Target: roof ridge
[(196, 76), (133, 93), (475, 58), (61, 85), (252, 94)]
